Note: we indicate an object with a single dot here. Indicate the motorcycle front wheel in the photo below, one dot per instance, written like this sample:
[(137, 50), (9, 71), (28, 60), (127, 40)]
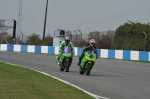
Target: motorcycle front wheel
[(88, 69), (67, 65)]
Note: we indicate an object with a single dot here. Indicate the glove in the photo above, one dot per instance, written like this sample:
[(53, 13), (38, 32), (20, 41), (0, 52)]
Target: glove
[(96, 57), (84, 48), (72, 53), (80, 58), (61, 52)]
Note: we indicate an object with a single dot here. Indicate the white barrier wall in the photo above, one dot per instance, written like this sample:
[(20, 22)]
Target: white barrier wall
[(102, 53)]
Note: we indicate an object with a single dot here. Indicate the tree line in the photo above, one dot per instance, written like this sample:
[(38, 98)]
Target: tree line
[(129, 36), (132, 36)]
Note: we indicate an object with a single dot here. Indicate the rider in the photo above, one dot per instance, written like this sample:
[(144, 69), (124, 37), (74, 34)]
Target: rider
[(63, 44), (90, 45)]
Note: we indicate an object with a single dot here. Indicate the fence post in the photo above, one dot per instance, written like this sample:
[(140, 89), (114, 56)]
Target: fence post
[(145, 44), (81, 33), (76, 35), (112, 40)]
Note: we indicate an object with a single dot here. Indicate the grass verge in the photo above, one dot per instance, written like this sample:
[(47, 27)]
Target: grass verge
[(22, 83)]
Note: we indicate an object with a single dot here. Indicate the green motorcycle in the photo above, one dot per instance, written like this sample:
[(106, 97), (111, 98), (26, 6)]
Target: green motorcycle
[(65, 59), (87, 62)]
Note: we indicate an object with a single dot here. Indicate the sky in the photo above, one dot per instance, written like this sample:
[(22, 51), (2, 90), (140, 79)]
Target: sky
[(88, 15)]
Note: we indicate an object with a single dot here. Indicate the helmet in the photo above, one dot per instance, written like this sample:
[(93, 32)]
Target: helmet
[(92, 42), (67, 39)]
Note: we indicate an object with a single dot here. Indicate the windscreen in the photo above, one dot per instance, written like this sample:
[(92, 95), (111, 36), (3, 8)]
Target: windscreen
[(91, 52), (67, 49)]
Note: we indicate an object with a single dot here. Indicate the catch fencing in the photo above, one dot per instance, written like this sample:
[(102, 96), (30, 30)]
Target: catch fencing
[(104, 41)]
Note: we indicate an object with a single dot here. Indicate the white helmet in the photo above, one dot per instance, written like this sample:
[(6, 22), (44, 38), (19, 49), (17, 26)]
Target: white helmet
[(67, 40)]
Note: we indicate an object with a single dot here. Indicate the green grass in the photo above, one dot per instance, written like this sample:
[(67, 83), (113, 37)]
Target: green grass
[(22, 83)]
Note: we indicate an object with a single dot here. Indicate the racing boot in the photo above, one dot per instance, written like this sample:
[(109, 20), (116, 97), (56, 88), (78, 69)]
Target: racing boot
[(79, 62), (58, 60), (70, 63)]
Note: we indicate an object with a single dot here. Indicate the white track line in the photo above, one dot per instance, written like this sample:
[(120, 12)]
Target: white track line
[(93, 95)]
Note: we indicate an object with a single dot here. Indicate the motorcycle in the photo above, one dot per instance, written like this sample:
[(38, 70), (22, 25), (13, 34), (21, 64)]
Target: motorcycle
[(87, 62), (65, 59)]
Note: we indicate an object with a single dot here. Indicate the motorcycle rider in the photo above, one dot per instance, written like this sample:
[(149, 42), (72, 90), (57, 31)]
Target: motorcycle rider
[(67, 42), (90, 45)]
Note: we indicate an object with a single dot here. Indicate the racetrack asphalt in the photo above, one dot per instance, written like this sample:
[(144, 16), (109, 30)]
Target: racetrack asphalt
[(114, 79)]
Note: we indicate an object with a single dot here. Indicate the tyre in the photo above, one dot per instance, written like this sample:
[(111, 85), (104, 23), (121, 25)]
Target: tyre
[(67, 65), (88, 70)]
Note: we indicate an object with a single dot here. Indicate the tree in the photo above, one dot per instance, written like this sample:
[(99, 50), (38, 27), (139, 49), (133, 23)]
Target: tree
[(93, 34), (48, 40), (110, 32), (33, 39), (130, 36)]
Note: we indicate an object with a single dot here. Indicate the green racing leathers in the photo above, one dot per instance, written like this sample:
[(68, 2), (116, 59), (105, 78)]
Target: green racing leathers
[(61, 48)]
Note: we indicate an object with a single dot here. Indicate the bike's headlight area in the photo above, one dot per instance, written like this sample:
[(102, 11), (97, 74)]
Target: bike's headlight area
[(89, 59), (67, 54), (94, 59)]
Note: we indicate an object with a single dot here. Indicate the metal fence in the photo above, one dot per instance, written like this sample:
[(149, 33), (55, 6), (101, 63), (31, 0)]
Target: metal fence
[(104, 40), (6, 31), (79, 39)]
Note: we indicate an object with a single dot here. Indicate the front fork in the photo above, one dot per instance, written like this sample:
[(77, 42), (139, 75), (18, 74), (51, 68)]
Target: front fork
[(87, 64)]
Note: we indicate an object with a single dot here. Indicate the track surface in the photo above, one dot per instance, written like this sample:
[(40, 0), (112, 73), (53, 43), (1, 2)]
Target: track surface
[(114, 79)]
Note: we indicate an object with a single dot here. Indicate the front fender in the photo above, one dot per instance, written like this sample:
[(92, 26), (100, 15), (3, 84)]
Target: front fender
[(67, 59), (89, 62)]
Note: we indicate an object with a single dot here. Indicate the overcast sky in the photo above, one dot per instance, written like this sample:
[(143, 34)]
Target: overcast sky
[(89, 15)]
